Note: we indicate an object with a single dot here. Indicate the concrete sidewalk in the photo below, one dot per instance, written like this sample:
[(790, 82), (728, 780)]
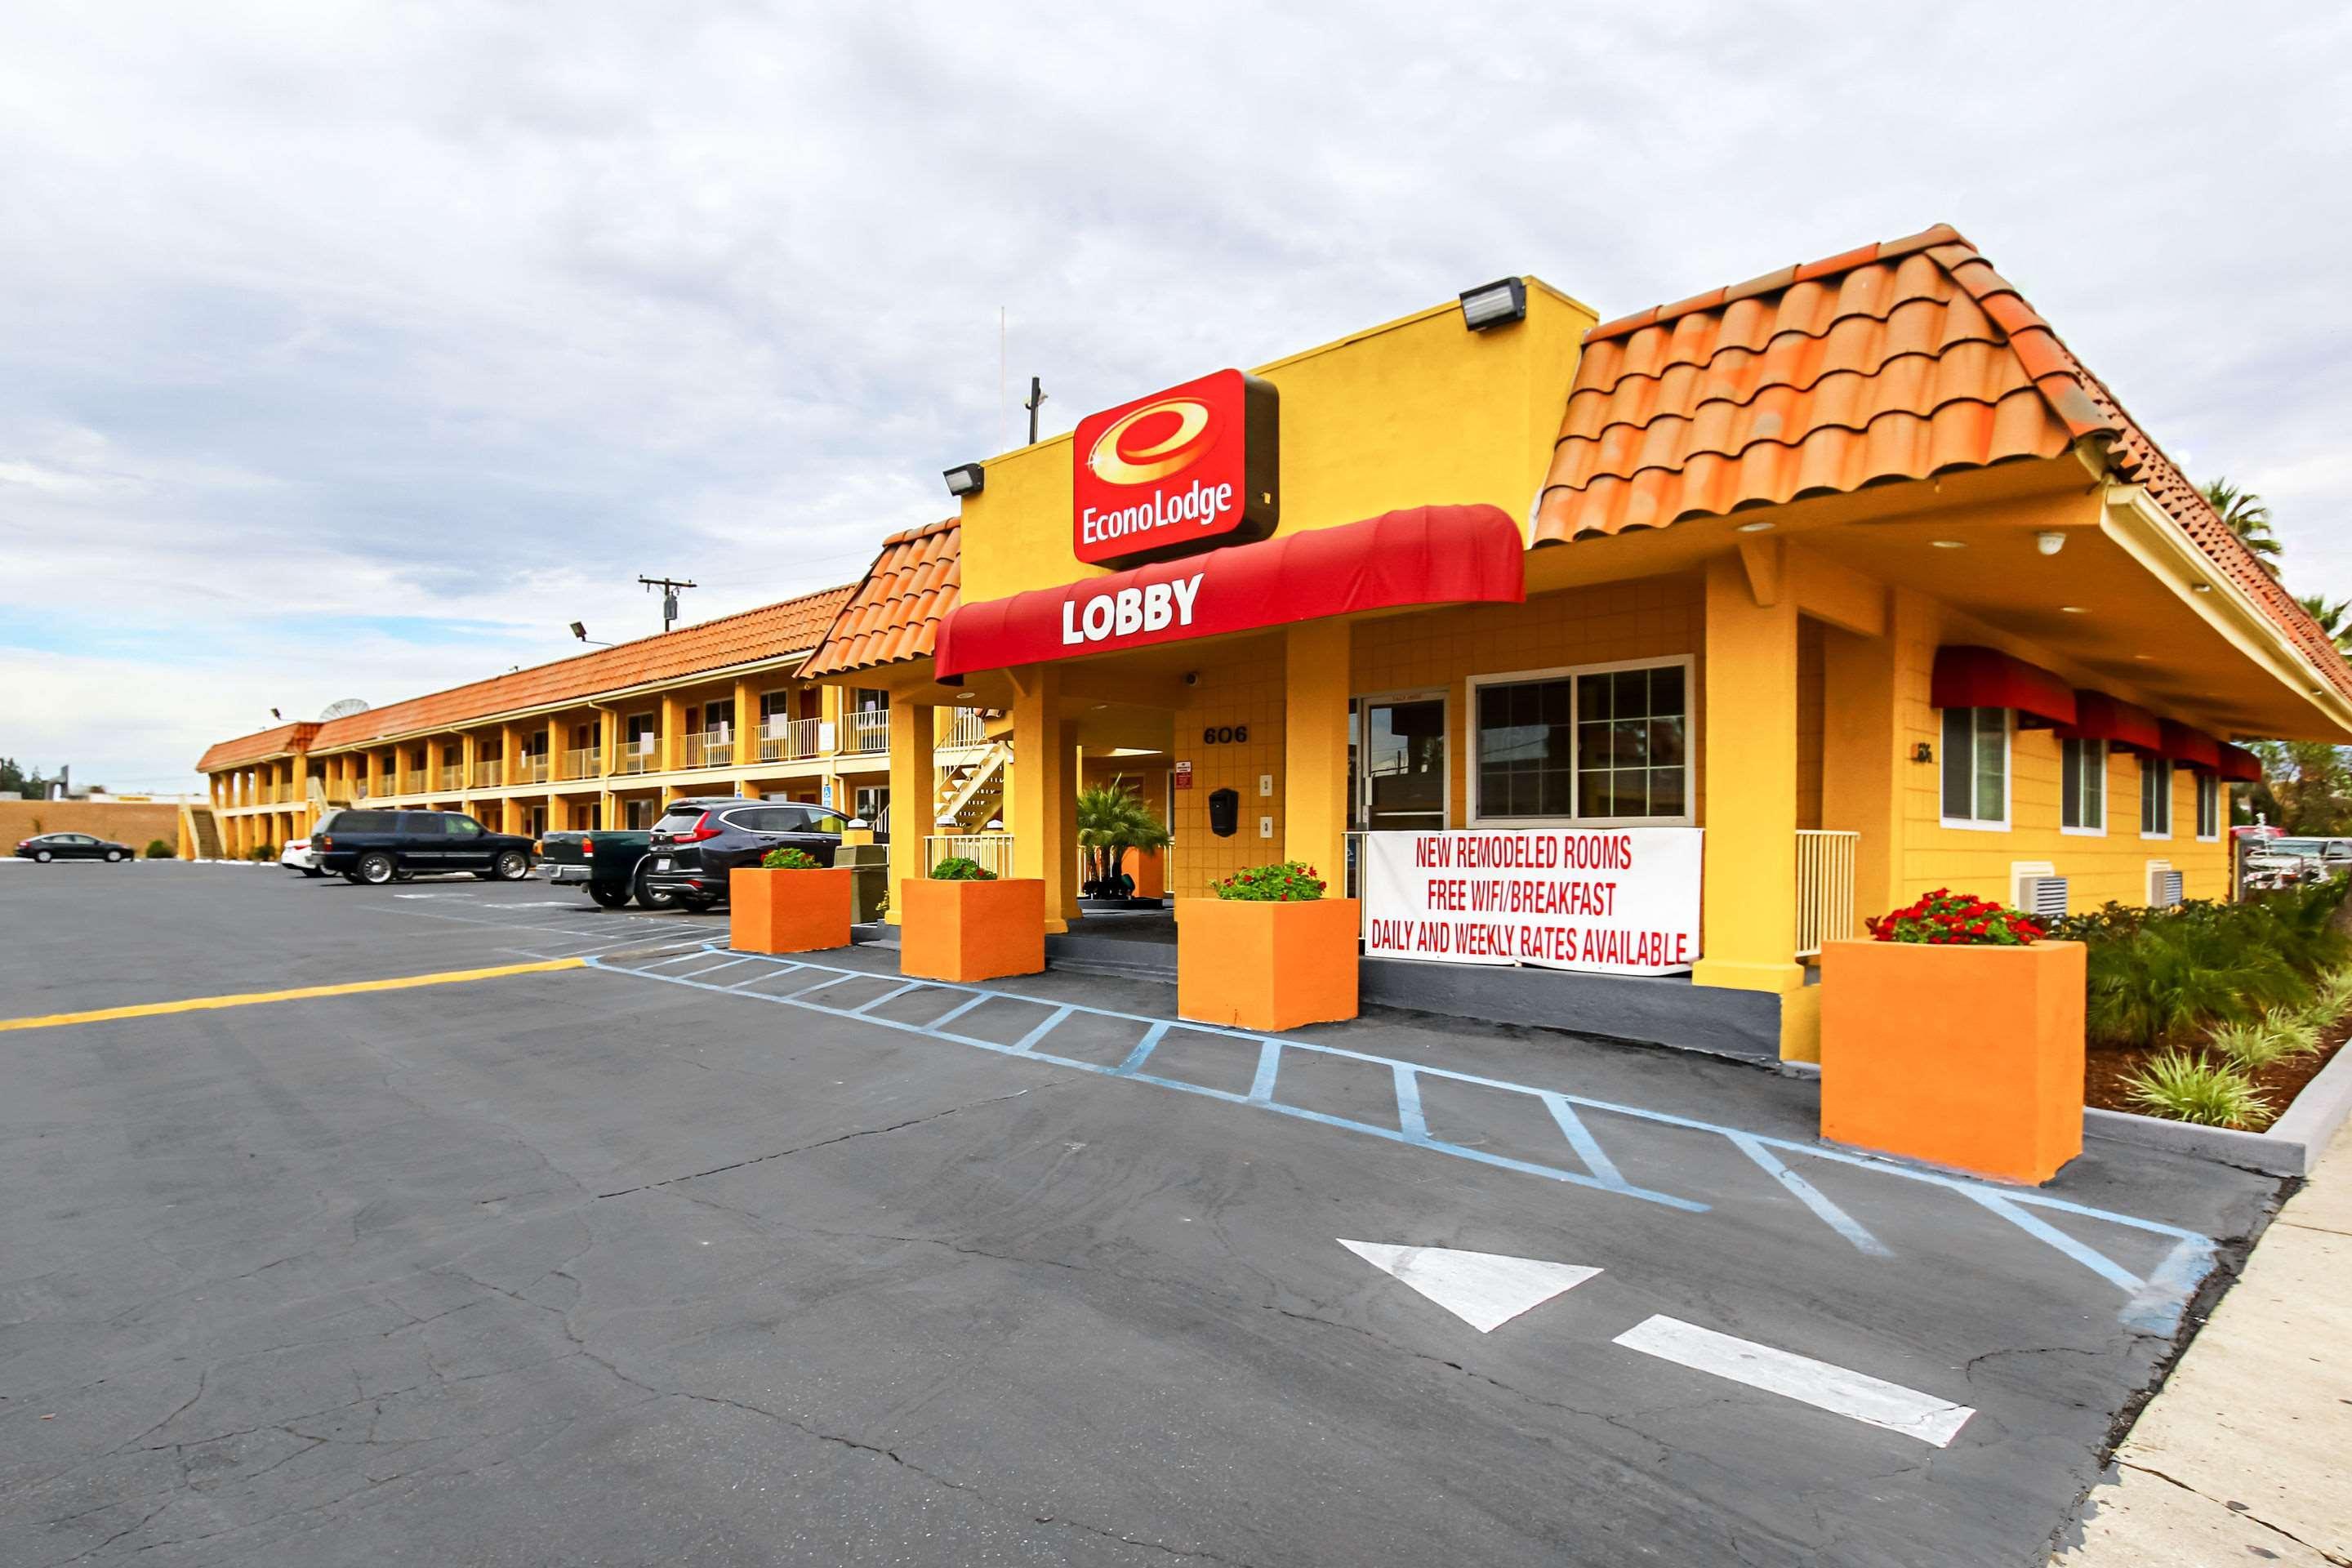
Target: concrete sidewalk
[(2242, 1459)]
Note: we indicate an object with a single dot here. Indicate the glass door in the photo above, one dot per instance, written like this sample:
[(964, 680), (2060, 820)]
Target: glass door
[(1401, 763)]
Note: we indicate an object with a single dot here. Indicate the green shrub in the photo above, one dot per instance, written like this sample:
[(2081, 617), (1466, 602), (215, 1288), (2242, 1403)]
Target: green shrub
[(159, 850), (1285, 882), (2160, 973), (2281, 1032), (2192, 1089), (788, 859), (962, 869), (262, 854)]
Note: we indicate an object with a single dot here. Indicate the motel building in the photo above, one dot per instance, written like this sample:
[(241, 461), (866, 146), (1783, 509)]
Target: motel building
[(1679, 642)]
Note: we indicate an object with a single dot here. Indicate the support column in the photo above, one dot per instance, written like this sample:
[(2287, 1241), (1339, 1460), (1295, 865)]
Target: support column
[(558, 819), (671, 755), (469, 761), (1044, 811), (746, 728), (914, 789), (1315, 748), (608, 737), (1749, 754)]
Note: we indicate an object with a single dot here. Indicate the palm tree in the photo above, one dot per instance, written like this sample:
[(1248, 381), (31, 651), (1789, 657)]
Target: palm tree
[(1112, 820), (2331, 614), (2243, 514)]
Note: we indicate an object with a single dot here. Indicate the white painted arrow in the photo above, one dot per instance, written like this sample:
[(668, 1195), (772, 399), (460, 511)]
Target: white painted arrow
[(1482, 1288)]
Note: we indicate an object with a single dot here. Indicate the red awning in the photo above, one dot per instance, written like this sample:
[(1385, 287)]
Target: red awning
[(2099, 717), (2239, 765), (2194, 747), (1428, 555), (1986, 678)]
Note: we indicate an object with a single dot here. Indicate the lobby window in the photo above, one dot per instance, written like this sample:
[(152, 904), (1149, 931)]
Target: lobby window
[(1976, 767), (2082, 785), (2155, 797), (2209, 805), (1584, 745)]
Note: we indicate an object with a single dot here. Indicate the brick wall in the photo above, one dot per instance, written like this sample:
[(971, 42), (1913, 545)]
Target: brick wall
[(124, 821)]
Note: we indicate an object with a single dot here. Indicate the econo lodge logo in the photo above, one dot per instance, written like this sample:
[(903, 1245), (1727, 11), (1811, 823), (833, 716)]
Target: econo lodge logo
[(1181, 470)]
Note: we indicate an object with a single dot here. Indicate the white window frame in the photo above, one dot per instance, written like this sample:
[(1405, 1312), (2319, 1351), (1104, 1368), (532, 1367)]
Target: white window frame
[(1356, 793), (1568, 672), (2164, 764), (2008, 777), (2211, 782), (2106, 780)]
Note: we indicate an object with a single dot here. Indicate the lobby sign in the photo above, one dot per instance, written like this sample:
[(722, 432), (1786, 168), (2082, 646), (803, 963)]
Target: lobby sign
[(1179, 471), (1615, 900), (1428, 555)]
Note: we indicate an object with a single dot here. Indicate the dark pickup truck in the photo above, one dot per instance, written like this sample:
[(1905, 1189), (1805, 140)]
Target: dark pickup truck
[(607, 862)]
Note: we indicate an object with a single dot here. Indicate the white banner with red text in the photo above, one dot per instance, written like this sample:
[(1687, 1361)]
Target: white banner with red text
[(1618, 900)]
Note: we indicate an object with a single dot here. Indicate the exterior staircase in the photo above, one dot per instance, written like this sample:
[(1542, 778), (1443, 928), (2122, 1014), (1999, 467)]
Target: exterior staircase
[(972, 792), (200, 836)]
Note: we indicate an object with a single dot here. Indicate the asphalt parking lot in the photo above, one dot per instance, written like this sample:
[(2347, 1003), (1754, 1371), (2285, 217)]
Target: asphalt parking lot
[(674, 1256)]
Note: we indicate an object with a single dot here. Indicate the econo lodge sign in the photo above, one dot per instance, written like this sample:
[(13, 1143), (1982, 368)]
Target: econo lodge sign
[(1181, 470)]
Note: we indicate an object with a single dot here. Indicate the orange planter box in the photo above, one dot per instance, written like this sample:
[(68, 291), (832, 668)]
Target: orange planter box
[(1265, 966), (965, 931), (1970, 1058), (788, 912)]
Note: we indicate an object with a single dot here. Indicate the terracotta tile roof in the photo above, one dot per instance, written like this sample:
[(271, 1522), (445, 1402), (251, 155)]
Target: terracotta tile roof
[(257, 747), (895, 612), (771, 631), (1896, 361)]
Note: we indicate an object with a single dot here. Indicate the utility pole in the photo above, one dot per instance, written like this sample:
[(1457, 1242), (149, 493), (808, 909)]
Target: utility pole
[(1037, 396), (670, 587)]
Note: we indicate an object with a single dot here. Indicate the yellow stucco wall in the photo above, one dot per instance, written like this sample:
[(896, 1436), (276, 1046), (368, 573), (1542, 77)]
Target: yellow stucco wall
[(1242, 685), (1414, 413)]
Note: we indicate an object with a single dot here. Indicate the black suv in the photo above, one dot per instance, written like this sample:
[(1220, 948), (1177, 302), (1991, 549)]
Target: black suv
[(698, 842), (375, 846)]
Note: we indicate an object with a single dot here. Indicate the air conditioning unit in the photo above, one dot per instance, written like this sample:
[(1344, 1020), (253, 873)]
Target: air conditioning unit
[(2163, 885), (2044, 896)]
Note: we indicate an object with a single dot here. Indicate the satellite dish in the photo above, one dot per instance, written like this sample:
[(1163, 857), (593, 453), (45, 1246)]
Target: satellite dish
[(342, 710)]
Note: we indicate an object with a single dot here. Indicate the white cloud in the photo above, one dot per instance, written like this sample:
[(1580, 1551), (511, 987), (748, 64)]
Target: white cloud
[(315, 315)]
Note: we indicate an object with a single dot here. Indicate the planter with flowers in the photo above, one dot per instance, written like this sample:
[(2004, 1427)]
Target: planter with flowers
[(964, 923), (1267, 952), (788, 903), (1955, 1036)]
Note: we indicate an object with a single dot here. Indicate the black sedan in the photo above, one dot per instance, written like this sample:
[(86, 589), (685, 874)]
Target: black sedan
[(47, 847)]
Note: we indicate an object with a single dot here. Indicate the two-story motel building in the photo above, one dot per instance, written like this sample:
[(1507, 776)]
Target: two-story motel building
[(1855, 567)]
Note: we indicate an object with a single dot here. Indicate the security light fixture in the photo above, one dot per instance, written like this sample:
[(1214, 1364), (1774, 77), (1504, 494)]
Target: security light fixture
[(1755, 528), (580, 630), (966, 479), (2073, 610), (274, 713), (2050, 542), (1496, 304), (2201, 587), (1947, 543)]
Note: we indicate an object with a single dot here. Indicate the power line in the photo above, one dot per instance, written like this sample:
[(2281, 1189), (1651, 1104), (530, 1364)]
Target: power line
[(670, 587)]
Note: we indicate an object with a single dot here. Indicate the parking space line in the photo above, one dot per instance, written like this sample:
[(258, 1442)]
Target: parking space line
[(1821, 1384), (2154, 1306), (863, 1008), (1021, 1046), (301, 993)]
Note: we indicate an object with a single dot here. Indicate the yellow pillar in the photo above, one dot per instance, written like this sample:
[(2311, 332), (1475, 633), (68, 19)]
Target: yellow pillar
[(1315, 748), (671, 755), (558, 819), (608, 740), (746, 728), (1044, 811), (913, 786), (469, 761), (1748, 761)]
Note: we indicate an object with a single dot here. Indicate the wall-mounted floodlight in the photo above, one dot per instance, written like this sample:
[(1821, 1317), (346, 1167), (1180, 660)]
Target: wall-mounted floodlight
[(580, 630), (966, 479), (1496, 304)]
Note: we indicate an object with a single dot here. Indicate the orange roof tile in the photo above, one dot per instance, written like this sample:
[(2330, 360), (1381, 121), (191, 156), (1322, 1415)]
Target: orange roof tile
[(771, 631), (257, 747), (1896, 361), (895, 612)]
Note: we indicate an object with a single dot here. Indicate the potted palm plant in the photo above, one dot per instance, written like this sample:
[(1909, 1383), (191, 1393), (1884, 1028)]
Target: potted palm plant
[(1954, 1035), (1267, 951), (965, 923), (1113, 820), (788, 903)]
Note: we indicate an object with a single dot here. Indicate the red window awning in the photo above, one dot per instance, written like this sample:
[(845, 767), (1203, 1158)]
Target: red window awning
[(1428, 555), (2239, 765), (1968, 676), (2194, 748), (2099, 717)]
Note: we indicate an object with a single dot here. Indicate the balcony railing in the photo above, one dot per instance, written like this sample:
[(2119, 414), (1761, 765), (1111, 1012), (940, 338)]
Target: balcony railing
[(531, 768), (966, 727), (711, 749), (789, 740), (581, 763), (453, 777), (993, 851), (1824, 888), (868, 733), (359, 790), (641, 755), (489, 775)]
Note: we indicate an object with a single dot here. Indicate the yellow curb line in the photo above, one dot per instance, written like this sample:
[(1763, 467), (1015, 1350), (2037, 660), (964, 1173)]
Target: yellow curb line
[(199, 1004)]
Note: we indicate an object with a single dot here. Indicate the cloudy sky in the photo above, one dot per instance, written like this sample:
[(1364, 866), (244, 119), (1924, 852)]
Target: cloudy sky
[(354, 350)]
